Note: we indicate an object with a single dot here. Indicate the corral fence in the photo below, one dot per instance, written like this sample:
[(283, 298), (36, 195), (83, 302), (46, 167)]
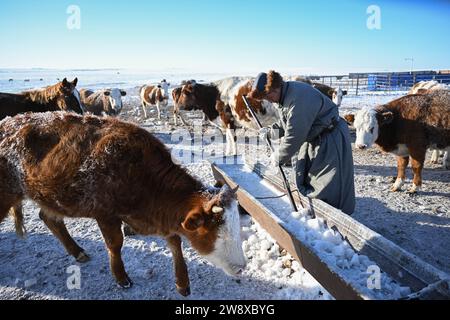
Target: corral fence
[(357, 83)]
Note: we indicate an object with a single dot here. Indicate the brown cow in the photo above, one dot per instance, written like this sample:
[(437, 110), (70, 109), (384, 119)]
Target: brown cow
[(155, 96), (407, 127), (176, 94), (335, 95), (103, 102), (61, 96), (114, 172)]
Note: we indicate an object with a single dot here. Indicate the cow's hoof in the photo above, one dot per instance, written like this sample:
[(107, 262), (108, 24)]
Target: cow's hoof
[(126, 284), (398, 185), (185, 292), (413, 190), (83, 257), (396, 189)]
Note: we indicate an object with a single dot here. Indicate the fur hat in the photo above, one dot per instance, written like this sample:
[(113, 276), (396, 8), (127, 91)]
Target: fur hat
[(265, 83)]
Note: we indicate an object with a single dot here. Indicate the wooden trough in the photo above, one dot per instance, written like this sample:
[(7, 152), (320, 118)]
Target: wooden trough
[(424, 280)]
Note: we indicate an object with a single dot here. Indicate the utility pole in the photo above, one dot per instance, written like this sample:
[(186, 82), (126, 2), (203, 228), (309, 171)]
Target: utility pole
[(412, 63)]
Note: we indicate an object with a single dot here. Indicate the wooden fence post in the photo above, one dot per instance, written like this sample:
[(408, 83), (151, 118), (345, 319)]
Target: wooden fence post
[(357, 84)]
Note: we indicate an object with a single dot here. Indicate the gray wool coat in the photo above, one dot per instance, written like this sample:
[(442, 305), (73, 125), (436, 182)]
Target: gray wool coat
[(324, 168)]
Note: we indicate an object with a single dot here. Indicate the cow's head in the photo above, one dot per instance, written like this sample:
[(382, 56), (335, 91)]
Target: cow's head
[(114, 97), (188, 97), (164, 86), (368, 123), (338, 95), (213, 228), (69, 98)]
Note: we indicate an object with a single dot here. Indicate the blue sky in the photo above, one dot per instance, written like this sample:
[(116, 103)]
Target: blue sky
[(310, 37)]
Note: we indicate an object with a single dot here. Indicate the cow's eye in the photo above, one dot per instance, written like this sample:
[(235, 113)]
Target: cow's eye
[(371, 130)]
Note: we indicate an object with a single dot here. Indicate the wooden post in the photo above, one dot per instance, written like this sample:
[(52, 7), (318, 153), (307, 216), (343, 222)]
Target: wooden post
[(357, 84)]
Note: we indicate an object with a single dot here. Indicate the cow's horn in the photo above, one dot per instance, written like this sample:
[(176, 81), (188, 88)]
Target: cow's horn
[(217, 209)]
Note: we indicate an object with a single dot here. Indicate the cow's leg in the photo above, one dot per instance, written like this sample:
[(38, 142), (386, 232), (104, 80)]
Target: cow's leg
[(59, 230), (18, 220), (175, 117), (447, 159), (417, 161), (158, 107), (112, 233), (228, 142), (402, 164), (144, 107), (435, 156), (231, 142), (7, 202), (181, 272)]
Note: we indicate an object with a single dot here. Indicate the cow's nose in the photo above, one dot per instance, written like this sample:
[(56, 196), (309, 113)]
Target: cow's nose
[(362, 146)]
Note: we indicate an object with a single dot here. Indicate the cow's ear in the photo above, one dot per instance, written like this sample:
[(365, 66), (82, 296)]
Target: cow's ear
[(350, 119), (123, 93), (65, 83), (75, 82), (345, 92), (193, 221), (107, 93), (386, 117)]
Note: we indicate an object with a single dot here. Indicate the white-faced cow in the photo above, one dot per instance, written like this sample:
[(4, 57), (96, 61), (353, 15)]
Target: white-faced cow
[(115, 172), (103, 102), (407, 127), (155, 95)]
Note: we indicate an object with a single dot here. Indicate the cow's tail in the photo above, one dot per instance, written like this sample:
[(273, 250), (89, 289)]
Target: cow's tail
[(17, 215)]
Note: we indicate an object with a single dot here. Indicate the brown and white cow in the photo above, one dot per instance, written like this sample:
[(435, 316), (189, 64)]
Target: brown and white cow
[(103, 102), (224, 108), (157, 95), (407, 127), (425, 87), (114, 172)]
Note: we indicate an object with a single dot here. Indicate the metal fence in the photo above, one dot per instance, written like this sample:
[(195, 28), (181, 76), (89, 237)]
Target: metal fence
[(364, 83)]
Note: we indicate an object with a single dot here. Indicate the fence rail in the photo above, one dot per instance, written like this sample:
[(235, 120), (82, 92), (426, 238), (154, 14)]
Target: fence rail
[(363, 83)]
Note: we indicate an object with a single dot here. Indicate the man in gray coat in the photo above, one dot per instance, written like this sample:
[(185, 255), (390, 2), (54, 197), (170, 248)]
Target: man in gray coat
[(310, 125)]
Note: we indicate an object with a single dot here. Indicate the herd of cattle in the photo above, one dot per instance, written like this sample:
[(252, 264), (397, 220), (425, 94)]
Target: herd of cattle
[(78, 166)]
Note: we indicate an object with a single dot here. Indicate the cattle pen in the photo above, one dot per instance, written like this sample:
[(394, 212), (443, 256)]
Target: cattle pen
[(424, 280)]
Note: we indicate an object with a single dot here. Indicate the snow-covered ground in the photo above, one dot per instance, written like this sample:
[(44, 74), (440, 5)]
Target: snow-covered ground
[(36, 268)]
